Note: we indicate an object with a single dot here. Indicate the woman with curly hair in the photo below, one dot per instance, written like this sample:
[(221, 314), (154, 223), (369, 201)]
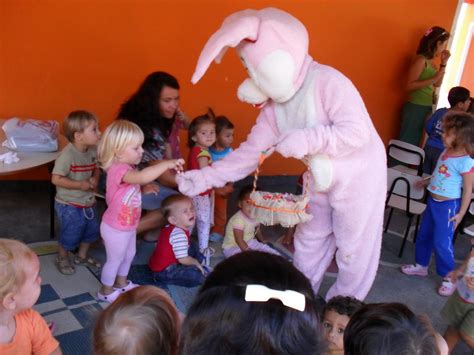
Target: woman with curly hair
[(154, 107)]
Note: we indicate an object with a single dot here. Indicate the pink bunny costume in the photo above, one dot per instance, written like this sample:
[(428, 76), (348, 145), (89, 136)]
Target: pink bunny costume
[(313, 111)]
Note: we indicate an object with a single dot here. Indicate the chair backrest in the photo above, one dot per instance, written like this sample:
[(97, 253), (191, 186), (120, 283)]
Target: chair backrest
[(406, 153), (404, 184)]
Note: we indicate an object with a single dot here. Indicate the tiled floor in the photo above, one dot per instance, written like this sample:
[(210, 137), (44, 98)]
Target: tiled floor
[(24, 215)]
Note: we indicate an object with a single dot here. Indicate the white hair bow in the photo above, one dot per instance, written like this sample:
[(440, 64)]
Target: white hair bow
[(290, 298)]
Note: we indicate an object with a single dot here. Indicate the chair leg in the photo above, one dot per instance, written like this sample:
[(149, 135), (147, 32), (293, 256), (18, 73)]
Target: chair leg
[(416, 228), (405, 237), (388, 220)]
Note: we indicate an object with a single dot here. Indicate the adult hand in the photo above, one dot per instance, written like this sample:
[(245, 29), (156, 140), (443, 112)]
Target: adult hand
[(445, 56), (180, 115)]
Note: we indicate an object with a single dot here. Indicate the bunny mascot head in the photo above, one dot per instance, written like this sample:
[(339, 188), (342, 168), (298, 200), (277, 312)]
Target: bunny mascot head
[(272, 46), (308, 111)]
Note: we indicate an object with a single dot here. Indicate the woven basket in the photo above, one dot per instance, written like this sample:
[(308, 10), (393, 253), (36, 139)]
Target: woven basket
[(271, 208)]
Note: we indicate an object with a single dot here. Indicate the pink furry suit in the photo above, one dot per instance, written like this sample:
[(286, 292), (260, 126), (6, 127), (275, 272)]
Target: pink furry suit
[(314, 112)]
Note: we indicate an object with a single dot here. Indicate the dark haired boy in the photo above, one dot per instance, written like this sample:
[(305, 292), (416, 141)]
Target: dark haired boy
[(459, 100), (336, 315), (219, 150)]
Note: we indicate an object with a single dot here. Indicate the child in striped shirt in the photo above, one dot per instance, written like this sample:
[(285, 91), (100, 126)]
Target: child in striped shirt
[(176, 260)]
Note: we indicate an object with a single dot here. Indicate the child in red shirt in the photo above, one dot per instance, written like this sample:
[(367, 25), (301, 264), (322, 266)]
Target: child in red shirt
[(176, 260), (202, 135)]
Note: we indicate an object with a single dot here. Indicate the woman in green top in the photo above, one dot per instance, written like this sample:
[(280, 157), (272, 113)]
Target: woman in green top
[(422, 78)]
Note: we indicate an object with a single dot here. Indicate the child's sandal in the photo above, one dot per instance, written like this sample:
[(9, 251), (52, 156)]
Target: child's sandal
[(64, 266), (87, 261)]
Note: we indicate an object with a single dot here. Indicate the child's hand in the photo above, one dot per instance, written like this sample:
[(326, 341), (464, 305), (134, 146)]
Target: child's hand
[(224, 191), (199, 266), (423, 182), (85, 185), (456, 219), (176, 164), (454, 275), (93, 183), (150, 189)]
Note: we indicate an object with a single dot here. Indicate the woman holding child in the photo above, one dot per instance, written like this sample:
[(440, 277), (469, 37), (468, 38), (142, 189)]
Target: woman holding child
[(154, 107)]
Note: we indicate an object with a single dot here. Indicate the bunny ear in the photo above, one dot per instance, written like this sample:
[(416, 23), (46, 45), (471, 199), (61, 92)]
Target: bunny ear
[(237, 27)]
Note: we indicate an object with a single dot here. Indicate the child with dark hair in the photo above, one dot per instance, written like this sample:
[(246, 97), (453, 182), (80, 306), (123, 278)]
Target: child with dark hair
[(450, 195), (202, 135), (176, 260), (390, 329), (337, 313), (220, 149), (242, 228), (141, 321), (459, 100), (253, 303)]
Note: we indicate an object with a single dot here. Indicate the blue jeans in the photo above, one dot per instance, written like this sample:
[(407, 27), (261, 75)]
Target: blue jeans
[(77, 225), (153, 201), (436, 232), (182, 275)]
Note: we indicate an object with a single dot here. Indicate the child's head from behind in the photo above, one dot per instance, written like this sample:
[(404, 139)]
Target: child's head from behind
[(20, 283), (220, 319), (224, 132), (458, 131), (459, 98), (81, 126), (337, 313), (388, 328), (121, 142), (178, 210), (433, 41), (202, 130), (243, 198), (143, 320)]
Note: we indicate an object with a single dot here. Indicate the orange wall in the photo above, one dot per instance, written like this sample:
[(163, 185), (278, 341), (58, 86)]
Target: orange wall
[(57, 55)]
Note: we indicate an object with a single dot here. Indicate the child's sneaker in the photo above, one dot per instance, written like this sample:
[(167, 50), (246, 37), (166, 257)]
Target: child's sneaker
[(110, 297), (447, 288), (416, 270), (130, 286)]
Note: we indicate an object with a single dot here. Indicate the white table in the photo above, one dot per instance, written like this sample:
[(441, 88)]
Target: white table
[(30, 161)]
